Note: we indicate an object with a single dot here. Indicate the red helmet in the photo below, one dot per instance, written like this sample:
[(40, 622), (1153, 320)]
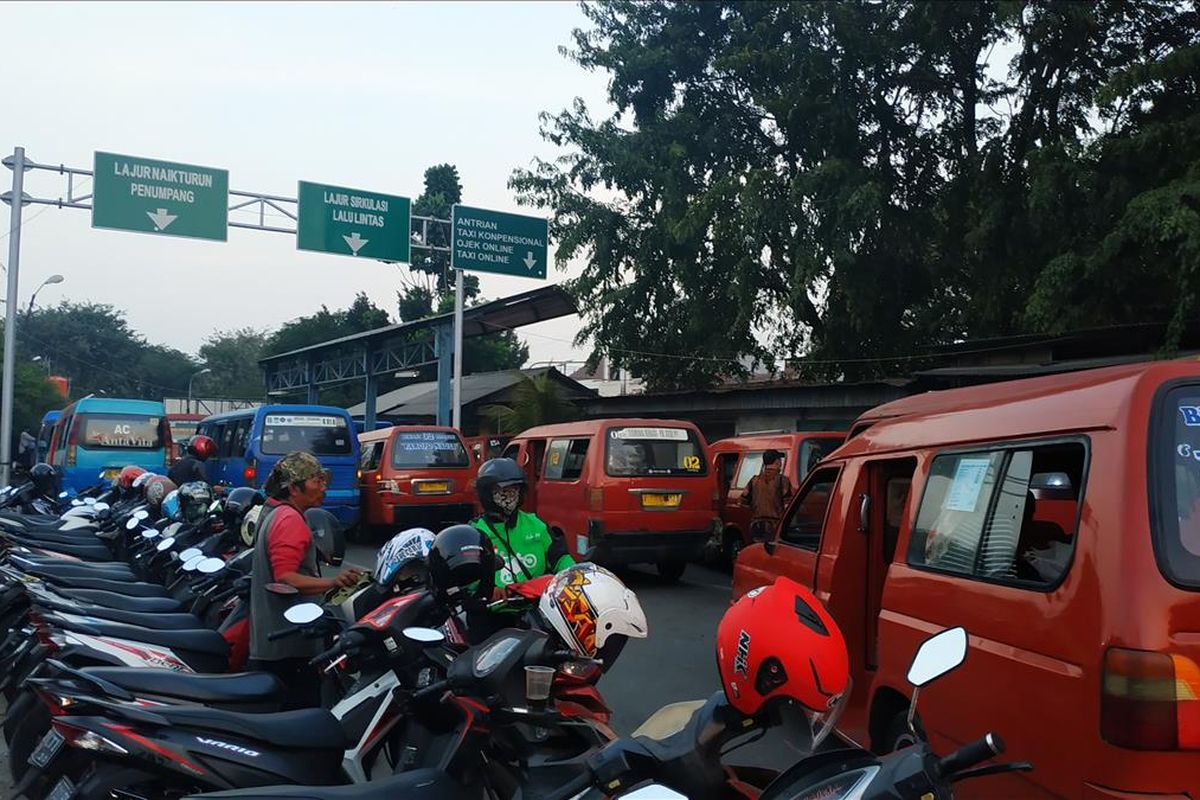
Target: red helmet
[(778, 641), (127, 476), (202, 447)]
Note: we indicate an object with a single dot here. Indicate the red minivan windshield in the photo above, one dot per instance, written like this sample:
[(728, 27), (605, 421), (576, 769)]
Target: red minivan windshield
[(419, 449), (647, 451), (1177, 446)]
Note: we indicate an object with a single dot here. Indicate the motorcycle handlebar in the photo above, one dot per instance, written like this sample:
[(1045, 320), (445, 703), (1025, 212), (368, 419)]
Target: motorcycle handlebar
[(971, 754), (280, 634), (431, 690)]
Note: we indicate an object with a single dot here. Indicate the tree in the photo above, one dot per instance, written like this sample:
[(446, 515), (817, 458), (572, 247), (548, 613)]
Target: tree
[(93, 345), (533, 401), (233, 358), (848, 181), (33, 396)]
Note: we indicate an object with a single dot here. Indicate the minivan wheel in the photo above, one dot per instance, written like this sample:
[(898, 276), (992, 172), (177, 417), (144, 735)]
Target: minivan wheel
[(671, 571), (898, 735), (733, 546)]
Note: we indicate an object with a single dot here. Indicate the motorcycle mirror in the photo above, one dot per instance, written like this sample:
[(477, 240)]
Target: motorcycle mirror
[(189, 554), (131, 524), (89, 501), (165, 544), (76, 502), (304, 613), (191, 564), (173, 528), (150, 533), (141, 513), (210, 566), (282, 588), (101, 506), (60, 494), (938, 655), (424, 635), (654, 792), (214, 507)]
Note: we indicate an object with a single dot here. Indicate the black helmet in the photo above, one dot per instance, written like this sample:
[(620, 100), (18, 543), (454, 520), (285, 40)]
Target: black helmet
[(238, 501), (499, 473), (327, 535), (45, 479), (194, 500), (460, 556)]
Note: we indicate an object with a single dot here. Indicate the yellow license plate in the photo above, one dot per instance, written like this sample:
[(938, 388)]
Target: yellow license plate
[(109, 474), (661, 500), (432, 487)]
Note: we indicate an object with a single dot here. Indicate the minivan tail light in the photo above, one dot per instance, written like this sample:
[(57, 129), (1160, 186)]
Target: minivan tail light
[(72, 442), (250, 473), (595, 500), (1150, 701)]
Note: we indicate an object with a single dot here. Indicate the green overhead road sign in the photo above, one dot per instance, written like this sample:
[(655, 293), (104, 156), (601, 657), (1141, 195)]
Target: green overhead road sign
[(131, 193), (493, 241), (351, 222)]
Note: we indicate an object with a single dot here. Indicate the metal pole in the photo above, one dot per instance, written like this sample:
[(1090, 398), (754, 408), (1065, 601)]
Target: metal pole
[(10, 311), (458, 351)]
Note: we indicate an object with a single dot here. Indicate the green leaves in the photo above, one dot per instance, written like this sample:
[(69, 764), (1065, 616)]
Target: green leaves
[(534, 401), (855, 180)]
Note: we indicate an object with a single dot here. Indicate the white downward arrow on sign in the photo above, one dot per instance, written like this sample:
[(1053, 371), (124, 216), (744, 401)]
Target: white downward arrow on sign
[(530, 262), (355, 241), (161, 218)]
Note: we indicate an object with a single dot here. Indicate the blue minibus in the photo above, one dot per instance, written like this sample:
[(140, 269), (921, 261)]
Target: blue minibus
[(95, 437), (252, 440)]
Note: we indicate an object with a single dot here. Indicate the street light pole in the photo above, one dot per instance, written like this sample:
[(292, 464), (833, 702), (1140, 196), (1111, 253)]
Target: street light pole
[(45, 283), (16, 202), (204, 371)]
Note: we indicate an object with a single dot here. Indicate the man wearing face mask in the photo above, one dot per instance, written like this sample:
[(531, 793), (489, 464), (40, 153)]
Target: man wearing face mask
[(523, 543)]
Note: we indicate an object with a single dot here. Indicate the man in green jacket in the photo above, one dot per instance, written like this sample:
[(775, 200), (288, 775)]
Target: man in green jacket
[(523, 543)]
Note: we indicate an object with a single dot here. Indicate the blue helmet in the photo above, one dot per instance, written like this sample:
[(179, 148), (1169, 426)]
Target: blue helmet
[(172, 508)]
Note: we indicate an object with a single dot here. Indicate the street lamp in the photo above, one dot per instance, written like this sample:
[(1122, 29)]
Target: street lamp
[(204, 371), (52, 279)]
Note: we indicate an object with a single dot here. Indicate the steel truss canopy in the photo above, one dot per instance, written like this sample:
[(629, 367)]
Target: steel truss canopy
[(408, 345)]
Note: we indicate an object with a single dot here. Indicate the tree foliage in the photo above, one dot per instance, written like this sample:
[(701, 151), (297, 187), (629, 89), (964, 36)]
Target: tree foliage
[(535, 400), (233, 358), (859, 181)]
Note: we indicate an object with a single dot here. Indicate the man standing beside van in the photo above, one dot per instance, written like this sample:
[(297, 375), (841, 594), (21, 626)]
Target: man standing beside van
[(767, 494), (285, 552)]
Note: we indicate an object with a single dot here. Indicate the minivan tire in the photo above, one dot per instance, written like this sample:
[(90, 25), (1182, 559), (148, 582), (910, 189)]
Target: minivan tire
[(898, 735), (671, 571)]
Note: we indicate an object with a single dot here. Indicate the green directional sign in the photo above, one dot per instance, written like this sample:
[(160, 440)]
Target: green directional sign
[(493, 241), (352, 222), (131, 193)]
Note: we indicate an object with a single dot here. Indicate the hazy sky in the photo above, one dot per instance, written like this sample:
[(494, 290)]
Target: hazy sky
[(361, 95)]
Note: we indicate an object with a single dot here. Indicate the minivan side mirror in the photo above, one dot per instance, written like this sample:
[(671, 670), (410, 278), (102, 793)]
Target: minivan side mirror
[(769, 545)]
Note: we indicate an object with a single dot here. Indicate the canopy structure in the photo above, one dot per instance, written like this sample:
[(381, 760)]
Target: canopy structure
[(408, 345)]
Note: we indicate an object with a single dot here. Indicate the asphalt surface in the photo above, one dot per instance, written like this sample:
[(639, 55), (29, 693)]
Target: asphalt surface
[(675, 663)]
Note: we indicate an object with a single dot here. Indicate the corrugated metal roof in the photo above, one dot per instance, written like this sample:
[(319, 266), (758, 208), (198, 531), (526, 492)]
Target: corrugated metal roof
[(420, 399)]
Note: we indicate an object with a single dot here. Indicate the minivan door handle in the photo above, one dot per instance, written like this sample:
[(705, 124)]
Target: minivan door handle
[(864, 513)]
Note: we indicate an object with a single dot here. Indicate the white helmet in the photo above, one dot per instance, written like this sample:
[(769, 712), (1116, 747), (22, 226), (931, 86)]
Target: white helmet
[(401, 550), (592, 611), (250, 524)]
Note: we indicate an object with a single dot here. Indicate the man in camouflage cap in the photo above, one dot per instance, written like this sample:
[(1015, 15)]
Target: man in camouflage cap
[(284, 552)]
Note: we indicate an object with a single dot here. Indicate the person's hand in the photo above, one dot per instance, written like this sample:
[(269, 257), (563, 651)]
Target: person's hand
[(348, 577), (499, 593)]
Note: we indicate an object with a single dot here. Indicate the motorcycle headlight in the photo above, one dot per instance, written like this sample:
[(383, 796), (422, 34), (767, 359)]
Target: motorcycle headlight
[(847, 786), (492, 655)]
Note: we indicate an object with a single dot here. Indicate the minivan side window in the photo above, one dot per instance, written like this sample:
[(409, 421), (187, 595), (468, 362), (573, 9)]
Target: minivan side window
[(565, 459), (751, 466), (370, 456), (1004, 515), (802, 527), (511, 452), (237, 440)]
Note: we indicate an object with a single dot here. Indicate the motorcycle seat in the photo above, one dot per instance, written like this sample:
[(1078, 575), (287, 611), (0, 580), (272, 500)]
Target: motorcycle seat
[(129, 588), (116, 571), (199, 640), (245, 687), (163, 621), (122, 601), (308, 728), (419, 784)]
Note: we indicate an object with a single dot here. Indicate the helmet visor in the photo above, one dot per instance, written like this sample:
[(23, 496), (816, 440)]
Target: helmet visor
[(806, 730)]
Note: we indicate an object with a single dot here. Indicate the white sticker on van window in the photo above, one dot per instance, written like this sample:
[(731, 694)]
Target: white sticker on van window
[(968, 482), (304, 421), (661, 434)]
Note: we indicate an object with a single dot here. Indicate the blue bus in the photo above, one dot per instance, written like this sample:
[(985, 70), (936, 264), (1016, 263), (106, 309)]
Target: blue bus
[(95, 437), (251, 441)]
